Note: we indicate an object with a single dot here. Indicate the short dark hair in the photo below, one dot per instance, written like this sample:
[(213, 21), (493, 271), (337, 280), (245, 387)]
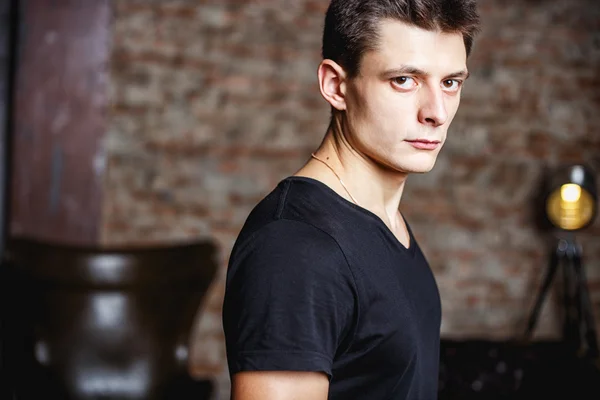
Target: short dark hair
[(351, 26)]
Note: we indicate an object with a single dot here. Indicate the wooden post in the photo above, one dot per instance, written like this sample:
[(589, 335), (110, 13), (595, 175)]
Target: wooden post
[(60, 119)]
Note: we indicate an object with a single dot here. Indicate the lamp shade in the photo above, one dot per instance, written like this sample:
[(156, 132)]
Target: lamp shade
[(571, 202)]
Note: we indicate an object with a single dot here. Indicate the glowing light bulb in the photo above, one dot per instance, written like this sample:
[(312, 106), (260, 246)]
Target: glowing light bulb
[(570, 193), (571, 204)]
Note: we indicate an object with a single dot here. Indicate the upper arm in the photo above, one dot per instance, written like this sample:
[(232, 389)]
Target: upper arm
[(289, 302), (279, 385)]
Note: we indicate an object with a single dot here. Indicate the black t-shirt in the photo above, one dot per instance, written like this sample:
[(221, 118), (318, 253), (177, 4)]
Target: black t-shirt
[(317, 283)]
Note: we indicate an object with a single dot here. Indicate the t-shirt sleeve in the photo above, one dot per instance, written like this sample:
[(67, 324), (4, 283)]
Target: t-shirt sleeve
[(289, 300)]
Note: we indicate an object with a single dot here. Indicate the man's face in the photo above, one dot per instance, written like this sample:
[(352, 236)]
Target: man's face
[(405, 96)]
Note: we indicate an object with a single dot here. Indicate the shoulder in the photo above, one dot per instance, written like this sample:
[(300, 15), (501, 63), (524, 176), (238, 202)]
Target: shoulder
[(294, 201), (286, 242)]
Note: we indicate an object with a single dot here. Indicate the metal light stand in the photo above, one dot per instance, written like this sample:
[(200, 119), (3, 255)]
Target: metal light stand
[(579, 323)]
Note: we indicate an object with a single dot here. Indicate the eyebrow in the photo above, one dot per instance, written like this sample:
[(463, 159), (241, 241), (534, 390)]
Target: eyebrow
[(409, 70)]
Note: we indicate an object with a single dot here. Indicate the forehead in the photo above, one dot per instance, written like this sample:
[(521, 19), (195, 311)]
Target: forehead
[(401, 44)]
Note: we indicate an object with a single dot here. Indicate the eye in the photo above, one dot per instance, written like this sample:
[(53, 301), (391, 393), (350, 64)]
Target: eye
[(404, 82), (452, 85)]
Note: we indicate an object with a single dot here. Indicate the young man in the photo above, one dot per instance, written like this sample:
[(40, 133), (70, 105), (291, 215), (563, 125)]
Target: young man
[(328, 295)]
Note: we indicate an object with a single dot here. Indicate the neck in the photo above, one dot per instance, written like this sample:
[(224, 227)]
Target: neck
[(370, 185)]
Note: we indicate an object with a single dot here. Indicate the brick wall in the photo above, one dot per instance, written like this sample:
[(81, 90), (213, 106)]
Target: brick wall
[(216, 101)]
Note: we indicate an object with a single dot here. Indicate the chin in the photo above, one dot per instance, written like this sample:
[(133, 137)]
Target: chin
[(412, 169), (418, 170), (416, 166)]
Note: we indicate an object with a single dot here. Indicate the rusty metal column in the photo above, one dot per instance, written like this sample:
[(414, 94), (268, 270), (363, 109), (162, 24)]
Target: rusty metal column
[(60, 115)]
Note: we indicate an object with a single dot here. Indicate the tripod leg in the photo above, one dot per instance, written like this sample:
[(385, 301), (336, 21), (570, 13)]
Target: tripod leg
[(572, 318), (551, 271), (585, 306)]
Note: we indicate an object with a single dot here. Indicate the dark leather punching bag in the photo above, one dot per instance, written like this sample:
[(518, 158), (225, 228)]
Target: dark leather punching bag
[(90, 323)]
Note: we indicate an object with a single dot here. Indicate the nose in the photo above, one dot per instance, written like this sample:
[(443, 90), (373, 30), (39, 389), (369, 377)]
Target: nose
[(432, 110)]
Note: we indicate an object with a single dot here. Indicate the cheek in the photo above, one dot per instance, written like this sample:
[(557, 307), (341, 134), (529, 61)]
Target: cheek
[(397, 115), (359, 109), (381, 116), (452, 105)]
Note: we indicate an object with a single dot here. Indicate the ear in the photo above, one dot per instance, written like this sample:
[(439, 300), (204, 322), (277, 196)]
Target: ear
[(332, 82)]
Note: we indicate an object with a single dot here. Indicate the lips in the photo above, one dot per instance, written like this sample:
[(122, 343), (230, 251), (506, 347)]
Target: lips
[(424, 144)]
